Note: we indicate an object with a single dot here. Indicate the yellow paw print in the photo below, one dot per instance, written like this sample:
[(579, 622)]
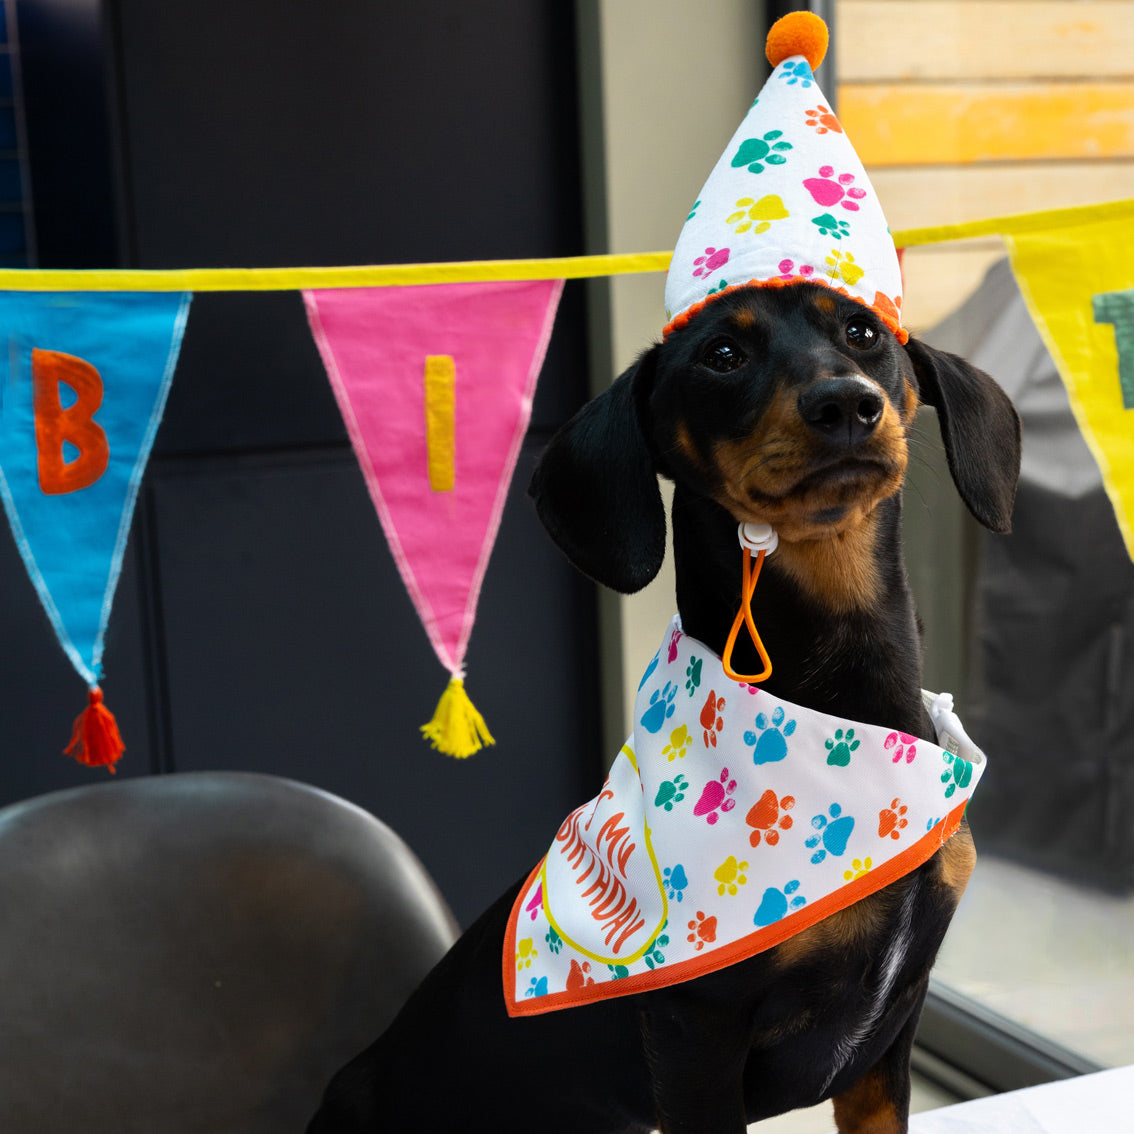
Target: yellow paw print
[(843, 267), (730, 874), (679, 741), (757, 216), (859, 867), (526, 952)]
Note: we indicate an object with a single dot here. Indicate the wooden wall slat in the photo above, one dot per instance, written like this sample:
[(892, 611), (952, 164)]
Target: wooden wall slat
[(911, 124), (984, 39)]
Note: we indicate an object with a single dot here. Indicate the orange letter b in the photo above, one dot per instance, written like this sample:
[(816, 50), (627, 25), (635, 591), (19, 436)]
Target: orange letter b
[(54, 425)]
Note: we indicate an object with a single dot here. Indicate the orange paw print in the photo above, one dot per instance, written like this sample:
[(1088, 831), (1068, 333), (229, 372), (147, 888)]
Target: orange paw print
[(702, 929), (891, 820), (822, 118), (766, 816), (711, 719)]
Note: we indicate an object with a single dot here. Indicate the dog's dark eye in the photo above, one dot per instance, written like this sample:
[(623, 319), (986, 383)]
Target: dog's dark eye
[(723, 356), (861, 335)]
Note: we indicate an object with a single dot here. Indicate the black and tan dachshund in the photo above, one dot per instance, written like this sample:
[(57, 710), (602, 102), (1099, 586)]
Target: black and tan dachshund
[(790, 406)]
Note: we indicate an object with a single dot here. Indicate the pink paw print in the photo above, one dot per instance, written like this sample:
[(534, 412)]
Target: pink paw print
[(674, 638), (536, 904), (716, 797), (903, 745), (828, 192), (788, 271), (713, 259)]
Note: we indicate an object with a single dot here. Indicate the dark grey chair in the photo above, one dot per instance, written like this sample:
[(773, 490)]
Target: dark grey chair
[(198, 952)]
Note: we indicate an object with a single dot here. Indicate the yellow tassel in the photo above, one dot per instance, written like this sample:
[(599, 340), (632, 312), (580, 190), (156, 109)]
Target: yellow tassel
[(457, 729)]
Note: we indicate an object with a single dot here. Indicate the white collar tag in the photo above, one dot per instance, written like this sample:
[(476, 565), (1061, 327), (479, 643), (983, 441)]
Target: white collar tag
[(730, 821)]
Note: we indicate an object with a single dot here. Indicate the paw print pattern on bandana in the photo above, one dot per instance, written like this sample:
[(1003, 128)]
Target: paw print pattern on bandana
[(755, 152), (711, 720), (842, 266), (679, 741), (716, 798), (674, 640), (705, 265), (702, 929), (831, 226), (770, 741), (526, 952), (756, 216), (892, 820), (822, 119), (660, 708), (730, 875), (858, 867), (693, 675), (958, 774), (579, 976), (832, 832), (768, 817), (839, 747), (676, 882), (537, 987), (903, 746), (796, 72), (828, 192), (533, 907), (776, 903), (654, 955), (554, 941), (671, 792)]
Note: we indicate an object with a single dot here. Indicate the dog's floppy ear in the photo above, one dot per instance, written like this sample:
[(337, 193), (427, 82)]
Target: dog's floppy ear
[(980, 429), (596, 490)]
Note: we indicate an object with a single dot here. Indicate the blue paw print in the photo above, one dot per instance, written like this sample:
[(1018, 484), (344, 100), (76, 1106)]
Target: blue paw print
[(776, 903), (832, 833), (661, 707), (799, 73), (675, 882), (650, 669), (831, 226), (771, 744), (537, 987), (839, 747)]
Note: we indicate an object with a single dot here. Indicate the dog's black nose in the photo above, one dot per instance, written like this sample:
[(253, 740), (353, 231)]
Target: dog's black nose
[(845, 410)]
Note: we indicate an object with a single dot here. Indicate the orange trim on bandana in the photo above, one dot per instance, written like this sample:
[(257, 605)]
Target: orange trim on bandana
[(679, 321), (907, 861)]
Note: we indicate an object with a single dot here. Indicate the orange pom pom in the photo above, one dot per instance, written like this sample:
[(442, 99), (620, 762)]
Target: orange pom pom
[(797, 33)]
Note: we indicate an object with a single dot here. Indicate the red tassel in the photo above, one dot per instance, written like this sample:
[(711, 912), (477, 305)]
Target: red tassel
[(95, 739)]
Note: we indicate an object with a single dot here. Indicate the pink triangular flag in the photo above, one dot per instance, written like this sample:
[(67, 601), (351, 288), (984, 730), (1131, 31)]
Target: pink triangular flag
[(435, 385)]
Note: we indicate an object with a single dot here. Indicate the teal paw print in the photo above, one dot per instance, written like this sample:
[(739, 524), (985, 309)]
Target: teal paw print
[(693, 211), (831, 226), (959, 773), (554, 941), (800, 73), (840, 747), (831, 833), (617, 972), (671, 792), (654, 955), (721, 286), (770, 743), (537, 987), (693, 675), (660, 709), (675, 882), (776, 903), (755, 152)]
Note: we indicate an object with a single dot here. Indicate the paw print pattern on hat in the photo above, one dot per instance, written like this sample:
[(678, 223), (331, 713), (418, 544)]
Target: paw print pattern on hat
[(813, 191)]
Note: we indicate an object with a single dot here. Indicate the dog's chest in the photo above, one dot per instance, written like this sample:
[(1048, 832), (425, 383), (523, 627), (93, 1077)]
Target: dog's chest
[(730, 822)]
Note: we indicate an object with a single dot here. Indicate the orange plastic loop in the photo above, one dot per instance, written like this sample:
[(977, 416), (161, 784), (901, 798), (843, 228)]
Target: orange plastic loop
[(744, 615)]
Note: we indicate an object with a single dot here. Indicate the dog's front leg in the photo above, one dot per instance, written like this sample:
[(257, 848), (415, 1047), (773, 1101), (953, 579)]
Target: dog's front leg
[(695, 1056)]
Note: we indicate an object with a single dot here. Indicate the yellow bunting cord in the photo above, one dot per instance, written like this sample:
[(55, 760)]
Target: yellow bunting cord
[(480, 271), (457, 728), (744, 615)]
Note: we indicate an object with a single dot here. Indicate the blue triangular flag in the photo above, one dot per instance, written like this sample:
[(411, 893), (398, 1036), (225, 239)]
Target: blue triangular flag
[(83, 382)]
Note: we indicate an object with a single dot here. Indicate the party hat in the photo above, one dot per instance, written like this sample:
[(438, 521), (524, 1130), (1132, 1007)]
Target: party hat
[(789, 200)]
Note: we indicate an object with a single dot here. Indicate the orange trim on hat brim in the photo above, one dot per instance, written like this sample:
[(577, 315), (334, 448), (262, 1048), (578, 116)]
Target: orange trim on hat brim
[(679, 321)]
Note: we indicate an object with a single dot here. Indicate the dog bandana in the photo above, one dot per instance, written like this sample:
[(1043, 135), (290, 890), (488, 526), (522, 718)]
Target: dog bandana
[(789, 200), (730, 821)]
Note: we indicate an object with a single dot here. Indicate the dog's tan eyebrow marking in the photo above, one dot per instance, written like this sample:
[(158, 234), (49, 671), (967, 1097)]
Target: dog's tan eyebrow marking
[(825, 303), (683, 441), (744, 319)]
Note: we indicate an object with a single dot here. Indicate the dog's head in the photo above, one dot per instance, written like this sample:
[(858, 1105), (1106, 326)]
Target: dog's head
[(789, 406)]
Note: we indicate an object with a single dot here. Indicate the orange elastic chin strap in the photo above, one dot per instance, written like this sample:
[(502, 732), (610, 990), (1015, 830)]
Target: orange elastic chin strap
[(762, 539)]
